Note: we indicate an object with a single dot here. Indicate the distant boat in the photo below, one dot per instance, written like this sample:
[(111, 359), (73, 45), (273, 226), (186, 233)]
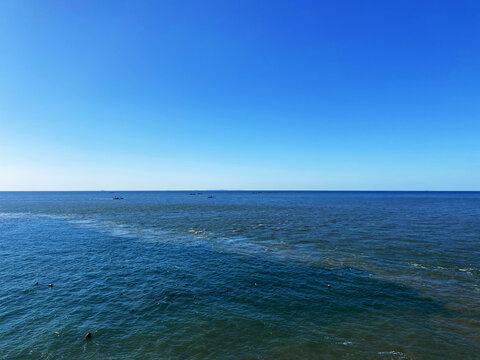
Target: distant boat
[(117, 198), (211, 197)]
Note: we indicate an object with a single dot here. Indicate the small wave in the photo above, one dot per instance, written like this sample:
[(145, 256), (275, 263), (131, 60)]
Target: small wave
[(196, 232), (418, 265), (470, 270), (429, 267), (394, 355)]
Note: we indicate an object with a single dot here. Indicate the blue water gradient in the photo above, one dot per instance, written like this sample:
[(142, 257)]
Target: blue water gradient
[(242, 275)]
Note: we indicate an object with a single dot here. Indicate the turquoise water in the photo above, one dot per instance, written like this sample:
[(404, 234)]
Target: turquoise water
[(243, 275)]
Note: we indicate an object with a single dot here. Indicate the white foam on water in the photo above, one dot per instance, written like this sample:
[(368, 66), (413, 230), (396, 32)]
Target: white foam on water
[(28, 216)]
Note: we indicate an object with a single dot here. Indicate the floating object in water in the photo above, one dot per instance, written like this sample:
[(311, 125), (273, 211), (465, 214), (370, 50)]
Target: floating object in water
[(329, 285), (50, 285), (88, 335), (36, 283), (211, 197), (192, 194), (117, 198)]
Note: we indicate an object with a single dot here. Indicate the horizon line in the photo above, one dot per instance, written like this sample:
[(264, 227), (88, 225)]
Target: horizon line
[(238, 190)]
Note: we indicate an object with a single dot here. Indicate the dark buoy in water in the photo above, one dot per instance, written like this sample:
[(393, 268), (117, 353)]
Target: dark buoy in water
[(35, 283), (329, 285), (50, 285), (88, 336)]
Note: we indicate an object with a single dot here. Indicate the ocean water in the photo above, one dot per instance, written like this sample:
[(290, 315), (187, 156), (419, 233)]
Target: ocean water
[(242, 275)]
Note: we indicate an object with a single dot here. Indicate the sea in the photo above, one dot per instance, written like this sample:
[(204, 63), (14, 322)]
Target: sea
[(240, 275)]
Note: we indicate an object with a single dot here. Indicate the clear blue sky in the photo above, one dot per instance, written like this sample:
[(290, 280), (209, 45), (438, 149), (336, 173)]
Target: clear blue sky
[(239, 95)]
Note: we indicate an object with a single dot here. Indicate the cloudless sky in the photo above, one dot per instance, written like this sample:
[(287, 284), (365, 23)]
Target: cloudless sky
[(373, 95)]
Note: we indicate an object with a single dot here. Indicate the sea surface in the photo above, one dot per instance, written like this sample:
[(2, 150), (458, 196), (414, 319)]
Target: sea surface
[(240, 275)]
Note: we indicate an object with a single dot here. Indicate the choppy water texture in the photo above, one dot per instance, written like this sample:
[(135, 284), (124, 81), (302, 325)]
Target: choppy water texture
[(242, 275)]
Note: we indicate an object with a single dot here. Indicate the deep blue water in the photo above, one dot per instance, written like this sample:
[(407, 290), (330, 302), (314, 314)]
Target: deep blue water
[(243, 275)]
